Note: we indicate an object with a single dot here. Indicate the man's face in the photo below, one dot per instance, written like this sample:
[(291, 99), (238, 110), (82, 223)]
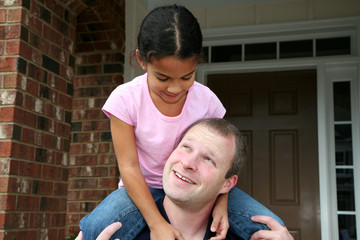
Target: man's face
[(195, 171)]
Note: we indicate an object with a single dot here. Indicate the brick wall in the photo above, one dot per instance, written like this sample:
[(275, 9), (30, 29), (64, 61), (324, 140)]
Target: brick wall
[(93, 172), (58, 62)]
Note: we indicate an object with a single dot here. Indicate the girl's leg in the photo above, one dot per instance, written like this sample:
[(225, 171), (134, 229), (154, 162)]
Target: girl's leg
[(241, 207), (117, 207)]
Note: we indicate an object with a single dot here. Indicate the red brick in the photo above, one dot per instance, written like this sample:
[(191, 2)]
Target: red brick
[(2, 219), (2, 15), (74, 207), (35, 24), (68, 44), (52, 35), (108, 183), (72, 195), (114, 171), (8, 97), (30, 169), (60, 189), (25, 234), (15, 15), (14, 220), (82, 183), (51, 172), (32, 87), (22, 151), (29, 102), (12, 81), (7, 202), (43, 187), (93, 195), (5, 149), (19, 185), (28, 203), (12, 31), (9, 166), (39, 43), (2, 48), (75, 148), (58, 219), (24, 117), (36, 56), (38, 220), (50, 141), (13, 47), (8, 64), (56, 52), (6, 131), (72, 218), (65, 101)]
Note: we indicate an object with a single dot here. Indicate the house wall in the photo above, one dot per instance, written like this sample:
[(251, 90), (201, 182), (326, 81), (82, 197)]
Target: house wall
[(223, 16), (59, 61), (36, 85)]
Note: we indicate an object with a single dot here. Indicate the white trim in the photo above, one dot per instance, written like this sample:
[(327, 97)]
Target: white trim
[(355, 111), (327, 69)]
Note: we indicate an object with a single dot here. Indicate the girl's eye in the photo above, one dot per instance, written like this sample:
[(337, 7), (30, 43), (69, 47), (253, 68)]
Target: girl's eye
[(186, 78), (162, 79)]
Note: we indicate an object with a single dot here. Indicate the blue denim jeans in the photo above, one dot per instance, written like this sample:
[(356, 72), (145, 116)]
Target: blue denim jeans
[(241, 207), (119, 207), (116, 207)]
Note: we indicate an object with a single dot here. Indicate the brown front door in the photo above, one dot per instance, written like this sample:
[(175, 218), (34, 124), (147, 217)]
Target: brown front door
[(277, 112)]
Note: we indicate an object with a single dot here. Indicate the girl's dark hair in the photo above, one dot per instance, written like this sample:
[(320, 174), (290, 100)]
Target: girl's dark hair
[(170, 31)]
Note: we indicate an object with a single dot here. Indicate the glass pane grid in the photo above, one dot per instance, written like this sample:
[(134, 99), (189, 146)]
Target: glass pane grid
[(300, 48), (344, 161)]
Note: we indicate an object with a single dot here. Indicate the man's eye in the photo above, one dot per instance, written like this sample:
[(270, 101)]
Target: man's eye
[(209, 160)]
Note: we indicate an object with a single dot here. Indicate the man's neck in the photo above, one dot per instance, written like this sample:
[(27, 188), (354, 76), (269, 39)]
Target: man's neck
[(191, 221)]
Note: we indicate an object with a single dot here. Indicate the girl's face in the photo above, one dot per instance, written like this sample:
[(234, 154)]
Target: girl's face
[(169, 78)]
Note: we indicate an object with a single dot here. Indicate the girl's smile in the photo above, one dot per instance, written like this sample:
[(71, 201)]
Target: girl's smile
[(169, 79)]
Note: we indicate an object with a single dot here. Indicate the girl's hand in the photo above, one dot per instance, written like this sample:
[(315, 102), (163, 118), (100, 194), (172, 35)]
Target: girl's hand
[(220, 223), (165, 231), (276, 232)]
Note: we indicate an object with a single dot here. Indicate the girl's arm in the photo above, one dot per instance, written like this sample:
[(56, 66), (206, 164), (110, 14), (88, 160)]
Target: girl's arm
[(134, 181), (220, 223)]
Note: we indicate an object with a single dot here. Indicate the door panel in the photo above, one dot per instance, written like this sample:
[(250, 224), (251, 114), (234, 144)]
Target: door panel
[(277, 113)]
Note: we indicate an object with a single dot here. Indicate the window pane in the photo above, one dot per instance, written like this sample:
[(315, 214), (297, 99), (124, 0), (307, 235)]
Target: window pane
[(230, 53), (333, 46), (342, 108), (294, 49), (260, 51), (343, 144), (206, 54), (347, 227), (345, 189)]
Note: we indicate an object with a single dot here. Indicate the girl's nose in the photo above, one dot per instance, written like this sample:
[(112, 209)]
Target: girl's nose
[(174, 88)]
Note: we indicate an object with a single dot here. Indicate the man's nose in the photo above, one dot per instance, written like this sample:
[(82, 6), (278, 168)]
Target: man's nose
[(190, 162)]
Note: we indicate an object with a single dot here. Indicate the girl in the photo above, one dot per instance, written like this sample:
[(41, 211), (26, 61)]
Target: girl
[(148, 115)]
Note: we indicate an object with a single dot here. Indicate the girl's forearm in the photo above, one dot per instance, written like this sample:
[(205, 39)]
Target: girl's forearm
[(140, 194)]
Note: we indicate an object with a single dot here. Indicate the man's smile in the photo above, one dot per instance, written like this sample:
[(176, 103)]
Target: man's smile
[(183, 178)]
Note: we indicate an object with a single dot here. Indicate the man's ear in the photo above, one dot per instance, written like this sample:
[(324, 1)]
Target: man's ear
[(229, 184), (141, 62)]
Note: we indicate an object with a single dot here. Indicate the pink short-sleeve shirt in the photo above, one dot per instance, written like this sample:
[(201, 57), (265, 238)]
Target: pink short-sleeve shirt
[(157, 135)]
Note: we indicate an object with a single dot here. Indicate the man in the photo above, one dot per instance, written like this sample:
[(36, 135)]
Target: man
[(204, 165)]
